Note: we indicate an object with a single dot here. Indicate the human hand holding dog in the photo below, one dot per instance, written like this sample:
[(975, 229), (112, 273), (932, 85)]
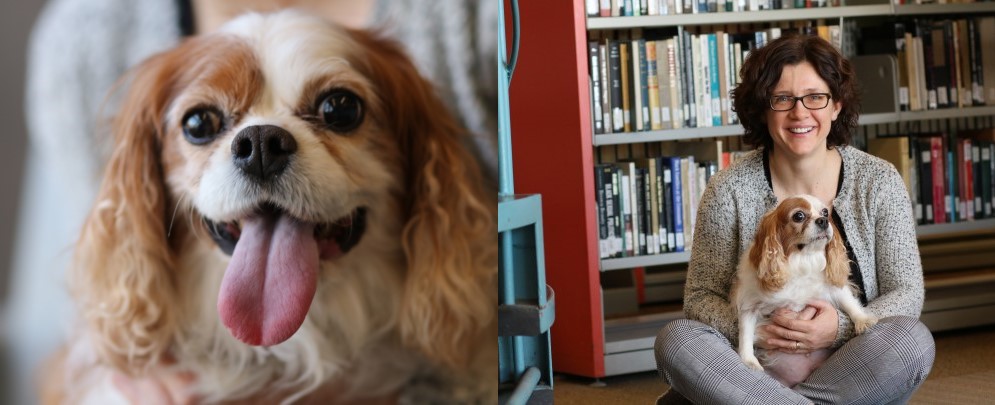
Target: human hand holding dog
[(813, 328)]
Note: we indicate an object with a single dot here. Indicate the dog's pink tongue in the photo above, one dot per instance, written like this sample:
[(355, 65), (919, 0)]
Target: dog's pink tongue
[(270, 281)]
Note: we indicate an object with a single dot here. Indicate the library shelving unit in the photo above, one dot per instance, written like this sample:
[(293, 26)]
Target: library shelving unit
[(555, 148)]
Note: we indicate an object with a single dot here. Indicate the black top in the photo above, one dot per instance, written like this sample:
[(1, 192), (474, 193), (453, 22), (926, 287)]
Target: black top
[(186, 21)]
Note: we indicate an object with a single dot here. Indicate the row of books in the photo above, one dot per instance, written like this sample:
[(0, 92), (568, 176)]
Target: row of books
[(950, 179), (941, 63), (635, 8), (647, 202), (651, 81)]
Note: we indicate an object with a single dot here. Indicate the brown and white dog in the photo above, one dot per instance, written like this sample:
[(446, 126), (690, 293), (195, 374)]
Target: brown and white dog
[(797, 256), (289, 213)]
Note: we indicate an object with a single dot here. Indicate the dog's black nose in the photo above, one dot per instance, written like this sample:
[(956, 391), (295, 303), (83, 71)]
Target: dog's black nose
[(821, 222), (263, 151)]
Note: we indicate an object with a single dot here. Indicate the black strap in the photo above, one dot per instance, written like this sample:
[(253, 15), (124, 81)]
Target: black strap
[(184, 11)]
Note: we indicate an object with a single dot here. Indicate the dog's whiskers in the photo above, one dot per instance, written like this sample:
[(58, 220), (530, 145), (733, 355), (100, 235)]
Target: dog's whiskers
[(172, 219)]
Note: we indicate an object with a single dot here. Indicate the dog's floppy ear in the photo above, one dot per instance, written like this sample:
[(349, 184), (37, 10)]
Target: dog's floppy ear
[(767, 254), (837, 262), (450, 236), (120, 273)]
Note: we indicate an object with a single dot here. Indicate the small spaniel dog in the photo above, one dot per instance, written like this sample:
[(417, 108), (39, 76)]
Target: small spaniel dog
[(797, 256), (289, 214)]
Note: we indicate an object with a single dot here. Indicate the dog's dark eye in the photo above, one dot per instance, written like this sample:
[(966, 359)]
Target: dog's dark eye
[(798, 216), (202, 125), (825, 212), (341, 110)]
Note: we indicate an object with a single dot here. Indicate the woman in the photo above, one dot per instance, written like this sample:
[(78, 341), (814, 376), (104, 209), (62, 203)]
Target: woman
[(798, 105)]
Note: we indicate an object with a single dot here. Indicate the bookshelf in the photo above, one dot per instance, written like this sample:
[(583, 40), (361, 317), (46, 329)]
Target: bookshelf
[(555, 152)]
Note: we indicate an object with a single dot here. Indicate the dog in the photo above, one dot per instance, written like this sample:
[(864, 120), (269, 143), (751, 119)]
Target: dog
[(797, 256), (289, 214)]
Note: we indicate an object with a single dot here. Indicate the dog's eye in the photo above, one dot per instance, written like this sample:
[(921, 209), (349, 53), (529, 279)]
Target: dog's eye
[(798, 216), (341, 110), (202, 125), (825, 212)]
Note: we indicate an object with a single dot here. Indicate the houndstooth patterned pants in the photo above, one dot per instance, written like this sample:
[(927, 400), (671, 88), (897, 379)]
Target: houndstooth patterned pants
[(884, 365)]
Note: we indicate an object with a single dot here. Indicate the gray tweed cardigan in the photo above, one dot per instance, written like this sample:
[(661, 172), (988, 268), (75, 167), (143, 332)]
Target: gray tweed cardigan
[(877, 218)]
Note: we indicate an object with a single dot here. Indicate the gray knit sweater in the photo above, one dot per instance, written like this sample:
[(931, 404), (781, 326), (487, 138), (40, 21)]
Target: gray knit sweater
[(877, 218)]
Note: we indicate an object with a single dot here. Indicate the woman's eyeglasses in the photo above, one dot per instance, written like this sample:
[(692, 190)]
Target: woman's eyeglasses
[(814, 101)]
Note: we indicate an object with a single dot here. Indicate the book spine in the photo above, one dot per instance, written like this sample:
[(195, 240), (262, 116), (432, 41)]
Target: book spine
[(602, 203), (668, 206), (952, 198), (938, 169), (653, 86), (926, 181), (644, 91), (661, 200), (975, 181), (987, 170), (903, 74), (617, 225), (977, 84), (615, 68), (713, 64), (678, 203), (595, 77), (606, 106), (639, 197), (690, 113)]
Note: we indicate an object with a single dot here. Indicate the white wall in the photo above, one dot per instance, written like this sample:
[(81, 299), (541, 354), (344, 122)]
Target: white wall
[(16, 20)]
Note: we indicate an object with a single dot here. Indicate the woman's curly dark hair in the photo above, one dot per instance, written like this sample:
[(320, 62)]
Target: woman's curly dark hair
[(762, 70)]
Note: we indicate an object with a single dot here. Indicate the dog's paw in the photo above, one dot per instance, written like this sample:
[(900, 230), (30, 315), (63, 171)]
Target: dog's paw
[(862, 323), (752, 362)]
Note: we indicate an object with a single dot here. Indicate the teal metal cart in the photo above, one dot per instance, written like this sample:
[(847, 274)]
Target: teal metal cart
[(526, 304)]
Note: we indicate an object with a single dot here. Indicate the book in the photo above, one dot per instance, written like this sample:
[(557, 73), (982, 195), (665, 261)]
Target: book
[(986, 39), (903, 68), (605, 88), (974, 47), (676, 87), (595, 78), (677, 202), (601, 199), (626, 68), (615, 72), (938, 170), (663, 67), (653, 86), (713, 72), (926, 180), (965, 181)]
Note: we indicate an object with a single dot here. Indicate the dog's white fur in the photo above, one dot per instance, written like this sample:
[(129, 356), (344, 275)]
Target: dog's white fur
[(411, 305), (791, 262)]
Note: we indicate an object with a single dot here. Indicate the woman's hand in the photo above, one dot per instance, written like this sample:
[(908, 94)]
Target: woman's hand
[(813, 328)]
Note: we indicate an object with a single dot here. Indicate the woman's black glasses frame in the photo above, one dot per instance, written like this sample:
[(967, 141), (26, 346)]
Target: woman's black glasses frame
[(814, 101)]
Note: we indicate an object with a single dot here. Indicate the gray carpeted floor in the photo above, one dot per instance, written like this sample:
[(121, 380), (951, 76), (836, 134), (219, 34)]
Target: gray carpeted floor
[(964, 373)]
